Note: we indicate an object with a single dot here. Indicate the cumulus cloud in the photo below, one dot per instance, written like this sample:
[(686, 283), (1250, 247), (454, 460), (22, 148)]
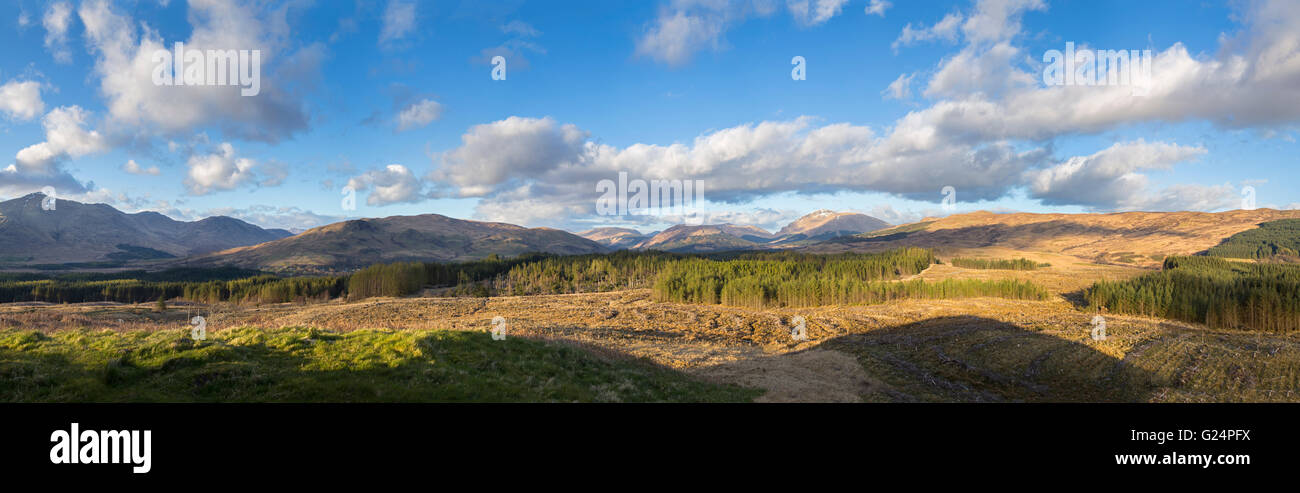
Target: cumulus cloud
[(998, 20), (56, 21), (21, 100), (1109, 179), (392, 185), (124, 64), (65, 137), (493, 154), (544, 168), (222, 170), (398, 21), (131, 167), (418, 115)]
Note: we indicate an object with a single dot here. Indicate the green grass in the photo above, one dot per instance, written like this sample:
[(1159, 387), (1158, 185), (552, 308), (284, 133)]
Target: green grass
[(309, 365)]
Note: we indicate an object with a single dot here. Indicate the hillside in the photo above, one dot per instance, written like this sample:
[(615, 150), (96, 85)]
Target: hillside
[(76, 232), (615, 238), (1135, 238), (826, 224), (709, 238), (358, 243), (1271, 240)]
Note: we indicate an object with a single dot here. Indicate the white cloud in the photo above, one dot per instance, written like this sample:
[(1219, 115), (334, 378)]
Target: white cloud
[(878, 7), (21, 99), (814, 12), (57, 18), (391, 185), (976, 72), (65, 137), (900, 88), (675, 37), (1109, 179), (945, 29), (289, 218), (418, 115), (398, 21), (521, 164), (684, 27), (134, 168), (997, 20), (520, 28), (222, 170), (124, 65), (491, 154)]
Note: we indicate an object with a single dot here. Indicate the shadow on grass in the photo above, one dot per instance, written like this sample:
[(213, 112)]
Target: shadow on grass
[(975, 359), (304, 365)]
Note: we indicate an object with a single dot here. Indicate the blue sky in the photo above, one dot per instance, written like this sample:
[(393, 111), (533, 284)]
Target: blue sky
[(900, 99)]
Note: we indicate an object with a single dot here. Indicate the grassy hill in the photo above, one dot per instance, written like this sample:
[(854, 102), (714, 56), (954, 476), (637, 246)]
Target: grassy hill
[(1133, 238)]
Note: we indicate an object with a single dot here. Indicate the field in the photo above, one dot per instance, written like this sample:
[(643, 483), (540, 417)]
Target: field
[(626, 346)]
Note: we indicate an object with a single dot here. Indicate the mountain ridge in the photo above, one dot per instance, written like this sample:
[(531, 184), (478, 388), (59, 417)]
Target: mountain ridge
[(73, 232)]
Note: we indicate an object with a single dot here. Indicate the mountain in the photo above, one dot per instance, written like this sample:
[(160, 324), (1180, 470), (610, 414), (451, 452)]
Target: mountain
[(615, 238), (825, 224), (684, 238), (358, 243), (1135, 238), (76, 232)]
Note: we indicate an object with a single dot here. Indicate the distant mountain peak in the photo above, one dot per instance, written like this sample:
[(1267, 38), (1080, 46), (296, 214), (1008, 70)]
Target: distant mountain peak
[(74, 232), (357, 243), (827, 222)]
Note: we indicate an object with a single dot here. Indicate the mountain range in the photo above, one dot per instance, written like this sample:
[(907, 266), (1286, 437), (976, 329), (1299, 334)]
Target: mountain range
[(72, 232), (427, 238), (817, 226), (75, 233)]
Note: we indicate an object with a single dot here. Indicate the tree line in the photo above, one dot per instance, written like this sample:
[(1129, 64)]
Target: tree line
[(1210, 291), (1000, 264), (766, 280), (1271, 239)]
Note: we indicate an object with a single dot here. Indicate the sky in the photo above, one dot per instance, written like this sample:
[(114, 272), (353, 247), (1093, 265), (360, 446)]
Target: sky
[(776, 108)]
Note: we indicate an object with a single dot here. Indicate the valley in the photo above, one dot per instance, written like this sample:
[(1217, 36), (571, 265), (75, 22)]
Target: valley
[(940, 332)]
